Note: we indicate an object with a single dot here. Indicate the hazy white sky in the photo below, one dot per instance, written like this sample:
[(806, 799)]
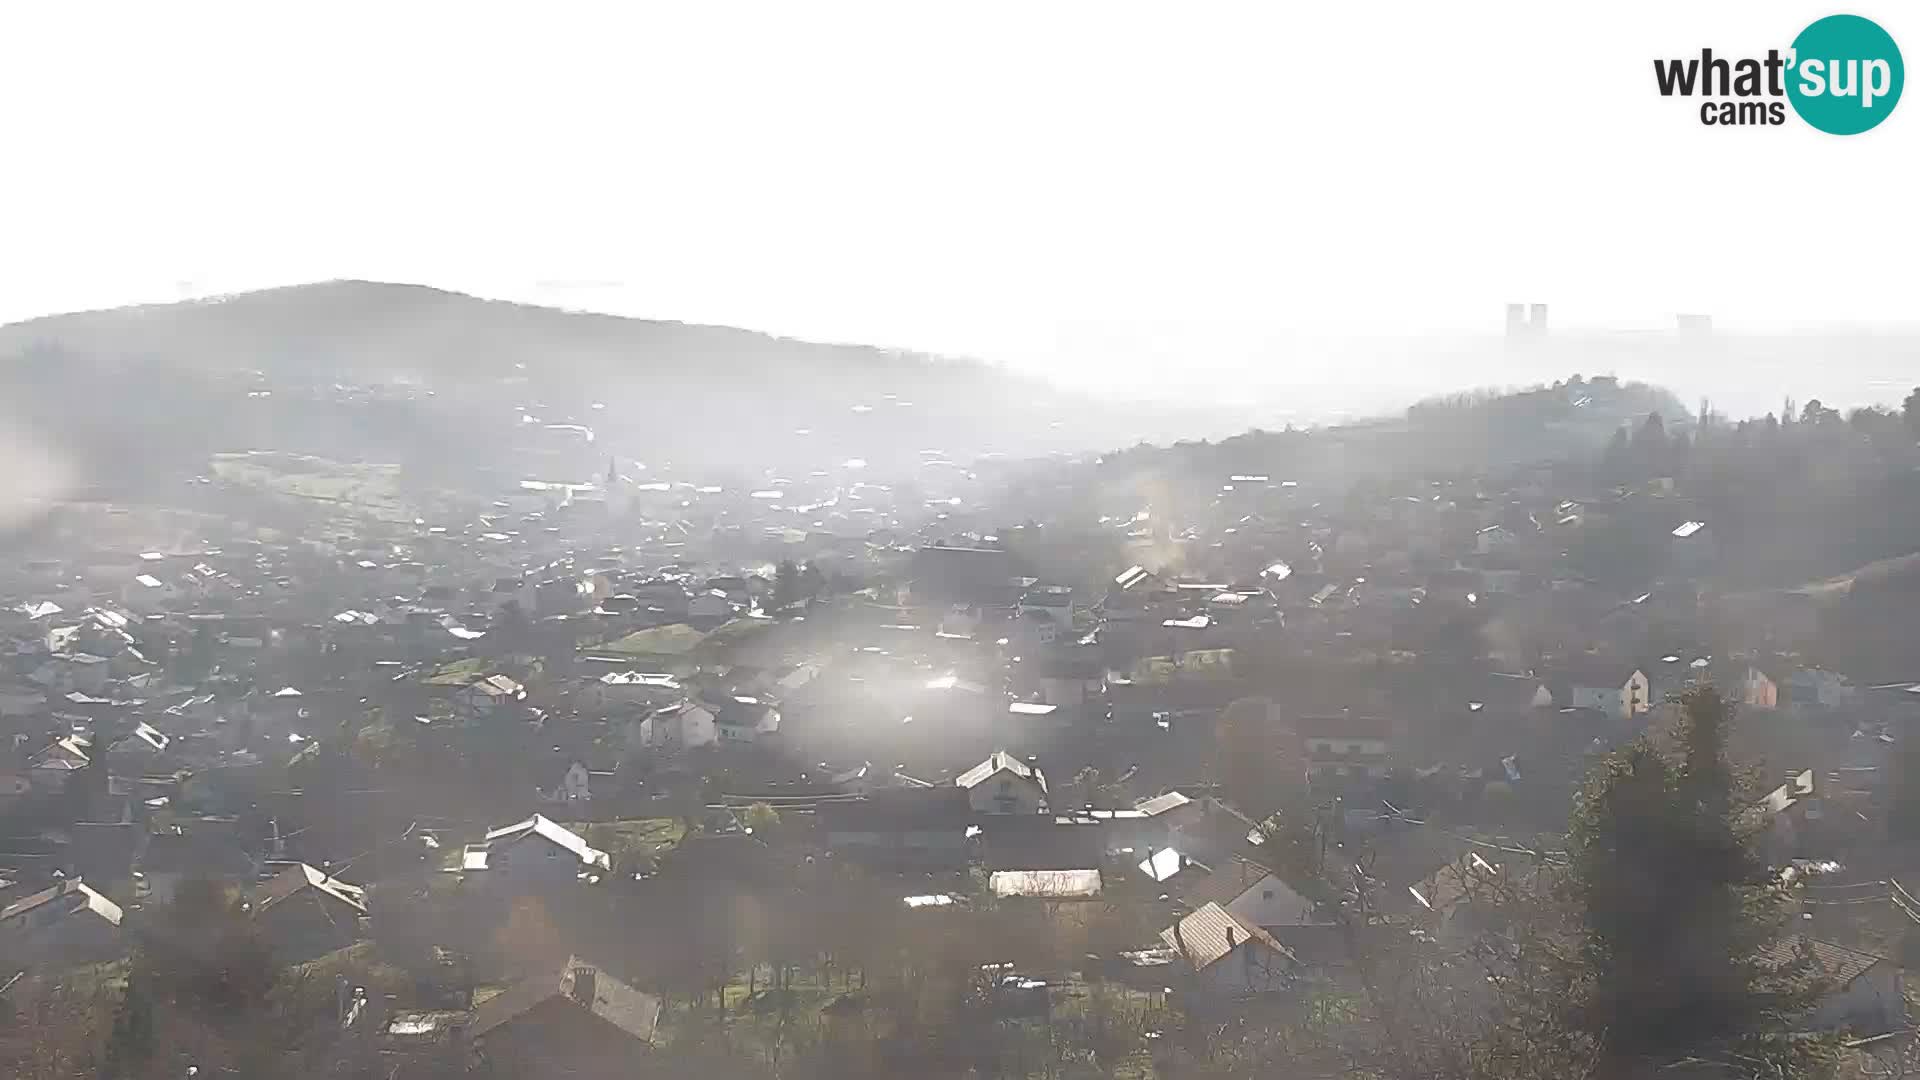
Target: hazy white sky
[(1088, 189)]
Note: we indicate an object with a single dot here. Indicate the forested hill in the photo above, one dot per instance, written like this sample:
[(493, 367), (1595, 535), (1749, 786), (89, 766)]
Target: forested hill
[(176, 378), (1474, 431), (1784, 503), (376, 330)]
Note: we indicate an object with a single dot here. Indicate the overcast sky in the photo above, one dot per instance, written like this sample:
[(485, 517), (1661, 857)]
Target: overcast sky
[(1086, 189)]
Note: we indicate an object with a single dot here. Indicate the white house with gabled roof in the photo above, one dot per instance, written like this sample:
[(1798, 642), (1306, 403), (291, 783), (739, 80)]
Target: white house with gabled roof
[(1003, 784), (1623, 691), (535, 855)]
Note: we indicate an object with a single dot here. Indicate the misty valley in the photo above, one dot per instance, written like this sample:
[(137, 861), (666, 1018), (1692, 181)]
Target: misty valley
[(398, 684)]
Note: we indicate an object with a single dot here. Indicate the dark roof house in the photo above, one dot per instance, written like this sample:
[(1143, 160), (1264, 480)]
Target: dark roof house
[(579, 1021), (304, 913), (69, 921)]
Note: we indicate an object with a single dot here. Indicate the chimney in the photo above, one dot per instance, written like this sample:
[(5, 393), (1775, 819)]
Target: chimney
[(1516, 319), (1537, 324), (583, 986), (1232, 938)]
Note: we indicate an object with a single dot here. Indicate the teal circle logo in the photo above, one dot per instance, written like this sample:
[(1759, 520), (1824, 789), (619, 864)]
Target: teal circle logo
[(1846, 76)]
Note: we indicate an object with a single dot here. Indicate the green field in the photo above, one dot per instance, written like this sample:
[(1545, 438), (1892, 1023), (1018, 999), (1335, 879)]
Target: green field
[(633, 836), (679, 639), (372, 490)]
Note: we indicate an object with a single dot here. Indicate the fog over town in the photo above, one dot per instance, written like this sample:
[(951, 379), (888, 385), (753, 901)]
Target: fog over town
[(852, 543)]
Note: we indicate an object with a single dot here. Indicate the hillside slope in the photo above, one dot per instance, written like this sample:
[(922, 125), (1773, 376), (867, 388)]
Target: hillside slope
[(260, 369), (375, 330)]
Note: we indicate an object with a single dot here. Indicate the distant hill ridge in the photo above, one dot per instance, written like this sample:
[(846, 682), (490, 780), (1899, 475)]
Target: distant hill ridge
[(383, 326), (171, 375)]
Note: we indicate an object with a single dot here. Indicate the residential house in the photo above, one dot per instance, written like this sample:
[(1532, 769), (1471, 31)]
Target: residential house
[(1622, 692), (68, 671), (148, 594), (1821, 688), (21, 618), (1159, 817), (743, 718), (1455, 898), (1760, 689), (1253, 895), (142, 753), (534, 856), (195, 712), (14, 788), (502, 593), (1070, 682), (1207, 828), (53, 767), (1345, 747), (195, 849), (906, 828), (1229, 957), (1135, 592), (578, 1022), (1788, 811), (1003, 784), (1694, 547), (1173, 871), (1494, 538), (1051, 602), (303, 913), (1511, 693), (29, 862), (682, 725), (490, 696), (575, 785), (1865, 992), (944, 575), (21, 699), (709, 607), (1032, 634), (1256, 896), (563, 596), (68, 922), (1041, 842), (668, 598), (1171, 705), (1026, 720), (287, 707), (619, 690), (102, 852), (735, 588), (958, 622)]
